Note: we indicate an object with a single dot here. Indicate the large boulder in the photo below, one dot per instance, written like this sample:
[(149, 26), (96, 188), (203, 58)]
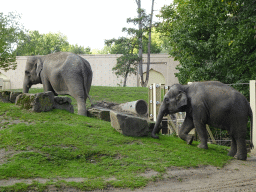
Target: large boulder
[(130, 125), (39, 102), (63, 103), (8, 96), (42, 102), (13, 96), (5, 96)]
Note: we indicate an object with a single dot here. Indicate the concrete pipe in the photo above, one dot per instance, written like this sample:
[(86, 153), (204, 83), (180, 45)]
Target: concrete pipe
[(138, 107)]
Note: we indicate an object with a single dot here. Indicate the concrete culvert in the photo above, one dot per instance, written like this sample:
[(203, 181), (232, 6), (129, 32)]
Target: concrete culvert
[(139, 107)]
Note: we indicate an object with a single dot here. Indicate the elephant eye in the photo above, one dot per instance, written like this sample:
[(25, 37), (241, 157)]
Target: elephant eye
[(166, 99)]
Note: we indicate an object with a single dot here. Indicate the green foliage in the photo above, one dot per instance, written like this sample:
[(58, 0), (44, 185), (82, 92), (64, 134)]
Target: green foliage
[(129, 47), (212, 40), (157, 42), (79, 49), (126, 64), (34, 43), (9, 32), (105, 50)]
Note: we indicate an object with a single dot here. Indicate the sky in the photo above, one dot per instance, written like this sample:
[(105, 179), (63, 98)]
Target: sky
[(85, 22)]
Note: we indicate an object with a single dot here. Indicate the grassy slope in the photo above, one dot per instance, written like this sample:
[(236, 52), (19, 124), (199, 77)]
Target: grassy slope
[(60, 144)]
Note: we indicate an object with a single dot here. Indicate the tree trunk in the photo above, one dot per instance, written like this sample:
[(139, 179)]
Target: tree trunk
[(127, 72), (149, 45), (140, 70)]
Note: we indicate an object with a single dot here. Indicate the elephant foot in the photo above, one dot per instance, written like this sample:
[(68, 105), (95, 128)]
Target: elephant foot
[(154, 136), (241, 156), (189, 139), (231, 153), (202, 146)]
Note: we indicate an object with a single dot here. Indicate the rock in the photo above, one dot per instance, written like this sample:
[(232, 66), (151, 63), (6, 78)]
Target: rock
[(5, 96), (63, 103), (13, 96), (39, 102), (24, 100), (99, 113), (42, 102), (130, 125)]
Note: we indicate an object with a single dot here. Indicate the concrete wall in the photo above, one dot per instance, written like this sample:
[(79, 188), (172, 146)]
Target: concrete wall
[(102, 70)]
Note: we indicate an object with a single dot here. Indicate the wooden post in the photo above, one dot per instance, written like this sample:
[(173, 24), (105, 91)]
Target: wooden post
[(253, 106), (150, 103), (156, 100)]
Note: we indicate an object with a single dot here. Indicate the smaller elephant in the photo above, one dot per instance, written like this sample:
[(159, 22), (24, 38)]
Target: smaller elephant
[(62, 73), (212, 103)]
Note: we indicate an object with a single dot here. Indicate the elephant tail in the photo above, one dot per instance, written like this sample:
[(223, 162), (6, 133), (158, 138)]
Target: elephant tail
[(87, 76), (251, 117)]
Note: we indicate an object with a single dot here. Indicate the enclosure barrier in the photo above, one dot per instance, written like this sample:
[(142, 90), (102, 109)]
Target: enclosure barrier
[(253, 106)]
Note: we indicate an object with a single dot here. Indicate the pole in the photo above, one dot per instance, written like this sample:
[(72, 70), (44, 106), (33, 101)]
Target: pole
[(253, 107)]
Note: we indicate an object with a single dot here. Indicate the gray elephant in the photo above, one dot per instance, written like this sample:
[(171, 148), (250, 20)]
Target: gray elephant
[(211, 103), (62, 73)]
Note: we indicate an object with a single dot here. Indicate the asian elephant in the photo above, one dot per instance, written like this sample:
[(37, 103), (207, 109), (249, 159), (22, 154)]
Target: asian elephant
[(62, 73), (212, 103)]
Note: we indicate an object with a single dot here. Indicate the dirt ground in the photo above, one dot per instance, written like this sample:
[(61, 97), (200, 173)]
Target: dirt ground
[(236, 176)]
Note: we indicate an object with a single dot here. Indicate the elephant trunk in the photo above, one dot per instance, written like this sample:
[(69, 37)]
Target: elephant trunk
[(158, 121), (26, 86)]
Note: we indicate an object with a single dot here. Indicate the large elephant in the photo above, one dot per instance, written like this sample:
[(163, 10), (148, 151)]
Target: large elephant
[(62, 73), (211, 103)]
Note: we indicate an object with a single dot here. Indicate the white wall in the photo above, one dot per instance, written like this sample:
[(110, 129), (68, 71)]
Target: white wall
[(102, 70)]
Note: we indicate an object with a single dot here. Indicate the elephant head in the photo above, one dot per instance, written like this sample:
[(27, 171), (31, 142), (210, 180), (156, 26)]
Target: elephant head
[(33, 70), (174, 101)]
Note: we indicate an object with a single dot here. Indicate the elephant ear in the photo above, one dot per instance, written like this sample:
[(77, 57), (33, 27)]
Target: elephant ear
[(39, 67), (181, 99)]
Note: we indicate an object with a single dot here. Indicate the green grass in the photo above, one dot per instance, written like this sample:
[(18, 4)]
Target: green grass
[(58, 144)]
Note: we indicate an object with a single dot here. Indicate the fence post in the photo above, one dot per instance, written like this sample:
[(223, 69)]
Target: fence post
[(156, 99), (150, 103), (253, 106)]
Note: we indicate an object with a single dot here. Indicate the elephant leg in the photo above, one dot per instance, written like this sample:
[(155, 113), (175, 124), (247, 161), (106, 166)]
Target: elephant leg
[(48, 87), (81, 105), (186, 127), (233, 149), (238, 132), (241, 149), (202, 133)]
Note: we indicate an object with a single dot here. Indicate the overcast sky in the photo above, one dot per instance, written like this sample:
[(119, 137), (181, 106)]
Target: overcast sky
[(84, 22)]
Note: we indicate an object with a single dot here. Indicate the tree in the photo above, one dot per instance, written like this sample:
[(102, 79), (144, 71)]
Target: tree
[(79, 49), (9, 31), (144, 22), (149, 46), (126, 64), (128, 47), (34, 43), (212, 40)]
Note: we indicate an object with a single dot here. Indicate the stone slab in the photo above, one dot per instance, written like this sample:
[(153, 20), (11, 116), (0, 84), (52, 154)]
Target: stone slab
[(130, 125), (99, 113)]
